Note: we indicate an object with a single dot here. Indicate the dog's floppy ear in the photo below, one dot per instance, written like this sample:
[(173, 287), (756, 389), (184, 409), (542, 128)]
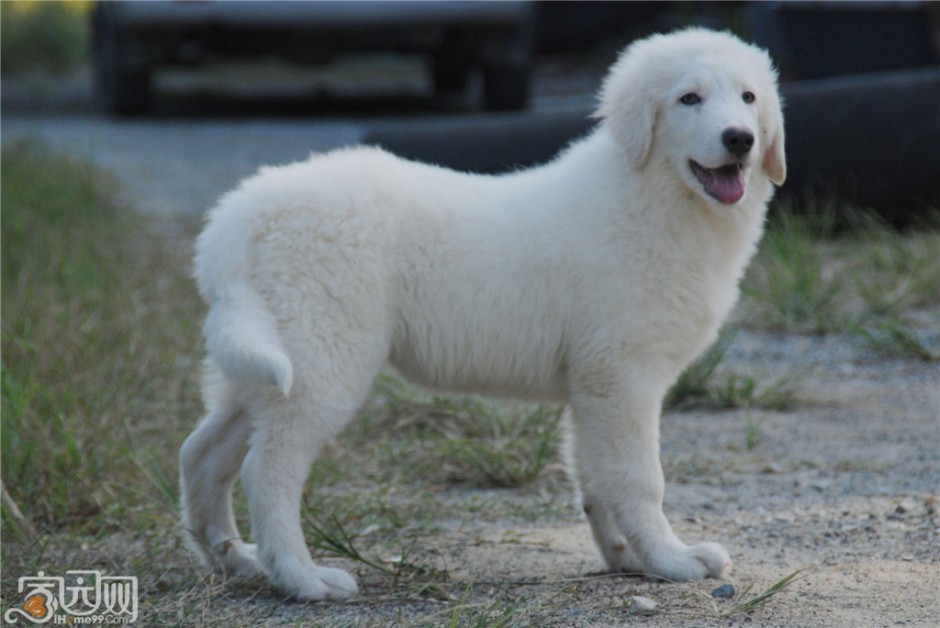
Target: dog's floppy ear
[(627, 109), (775, 165), (774, 162), (631, 122)]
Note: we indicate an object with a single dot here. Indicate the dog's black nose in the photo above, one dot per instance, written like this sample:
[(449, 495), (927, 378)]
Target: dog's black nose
[(737, 141)]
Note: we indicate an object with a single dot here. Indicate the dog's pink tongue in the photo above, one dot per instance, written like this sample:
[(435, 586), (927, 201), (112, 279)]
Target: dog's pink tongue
[(726, 184)]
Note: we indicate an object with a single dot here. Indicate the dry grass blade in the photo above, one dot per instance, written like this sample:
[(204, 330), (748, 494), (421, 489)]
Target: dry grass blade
[(892, 338), (10, 508), (751, 604), (340, 543)]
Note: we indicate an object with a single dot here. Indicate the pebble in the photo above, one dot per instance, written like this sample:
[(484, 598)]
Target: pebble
[(724, 592), (640, 605), (821, 485)]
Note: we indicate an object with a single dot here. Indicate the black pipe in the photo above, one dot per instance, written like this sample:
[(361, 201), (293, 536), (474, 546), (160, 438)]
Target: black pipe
[(870, 140)]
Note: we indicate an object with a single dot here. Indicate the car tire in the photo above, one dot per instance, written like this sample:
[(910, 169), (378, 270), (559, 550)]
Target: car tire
[(120, 90), (124, 93)]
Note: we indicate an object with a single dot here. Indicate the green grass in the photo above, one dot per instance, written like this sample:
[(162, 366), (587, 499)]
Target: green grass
[(891, 337), (500, 449), (899, 271), (701, 385), (790, 281), (752, 433), (500, 612), (464, 441), (864, 282), (50, 37), (91, 368)]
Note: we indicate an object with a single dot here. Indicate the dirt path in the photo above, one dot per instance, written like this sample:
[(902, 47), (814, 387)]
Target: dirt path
[(844, 485)]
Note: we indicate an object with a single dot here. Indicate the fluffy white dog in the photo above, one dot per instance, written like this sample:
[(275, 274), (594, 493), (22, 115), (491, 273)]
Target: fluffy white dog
[(592, 280)]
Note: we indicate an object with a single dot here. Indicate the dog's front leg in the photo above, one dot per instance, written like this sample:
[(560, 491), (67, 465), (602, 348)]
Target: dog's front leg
[(616, 455)]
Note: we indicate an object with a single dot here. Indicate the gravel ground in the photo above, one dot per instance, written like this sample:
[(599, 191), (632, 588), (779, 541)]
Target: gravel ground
[(844, 483)]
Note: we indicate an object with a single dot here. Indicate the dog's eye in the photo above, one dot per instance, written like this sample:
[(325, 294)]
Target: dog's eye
[(690, 99), (748, 97)]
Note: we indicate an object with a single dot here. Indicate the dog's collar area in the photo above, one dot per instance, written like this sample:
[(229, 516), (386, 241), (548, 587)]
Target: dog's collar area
[(725, 183)]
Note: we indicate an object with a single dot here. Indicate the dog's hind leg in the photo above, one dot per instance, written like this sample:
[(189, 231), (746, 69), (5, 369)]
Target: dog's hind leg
[(209, 462), (289, 434)]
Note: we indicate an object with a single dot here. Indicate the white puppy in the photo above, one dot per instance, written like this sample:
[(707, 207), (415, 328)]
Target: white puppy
[(593, 280)]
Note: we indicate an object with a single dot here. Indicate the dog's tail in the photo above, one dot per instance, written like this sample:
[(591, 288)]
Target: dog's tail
[(242, 338)]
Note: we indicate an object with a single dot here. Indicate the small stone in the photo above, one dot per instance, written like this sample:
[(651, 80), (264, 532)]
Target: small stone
[(724, 592), (640, 605), (931, 504), (821, 485)]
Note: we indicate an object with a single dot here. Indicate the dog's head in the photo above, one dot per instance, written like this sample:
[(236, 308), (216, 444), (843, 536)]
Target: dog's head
[(702, 102)]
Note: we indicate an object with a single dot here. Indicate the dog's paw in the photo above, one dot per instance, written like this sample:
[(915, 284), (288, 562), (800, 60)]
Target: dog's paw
[(240, 558), (311, 583), (339, 584), (713, 557), (620, 558), (706, 560)]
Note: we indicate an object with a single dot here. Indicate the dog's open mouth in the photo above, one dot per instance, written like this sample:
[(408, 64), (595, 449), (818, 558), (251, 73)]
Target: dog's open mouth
[(725, 183)]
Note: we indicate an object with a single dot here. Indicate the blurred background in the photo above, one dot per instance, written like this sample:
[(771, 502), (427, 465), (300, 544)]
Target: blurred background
[(861, 79)]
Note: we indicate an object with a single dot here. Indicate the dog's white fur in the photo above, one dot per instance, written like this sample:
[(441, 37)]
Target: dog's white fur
[(593, 280)]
